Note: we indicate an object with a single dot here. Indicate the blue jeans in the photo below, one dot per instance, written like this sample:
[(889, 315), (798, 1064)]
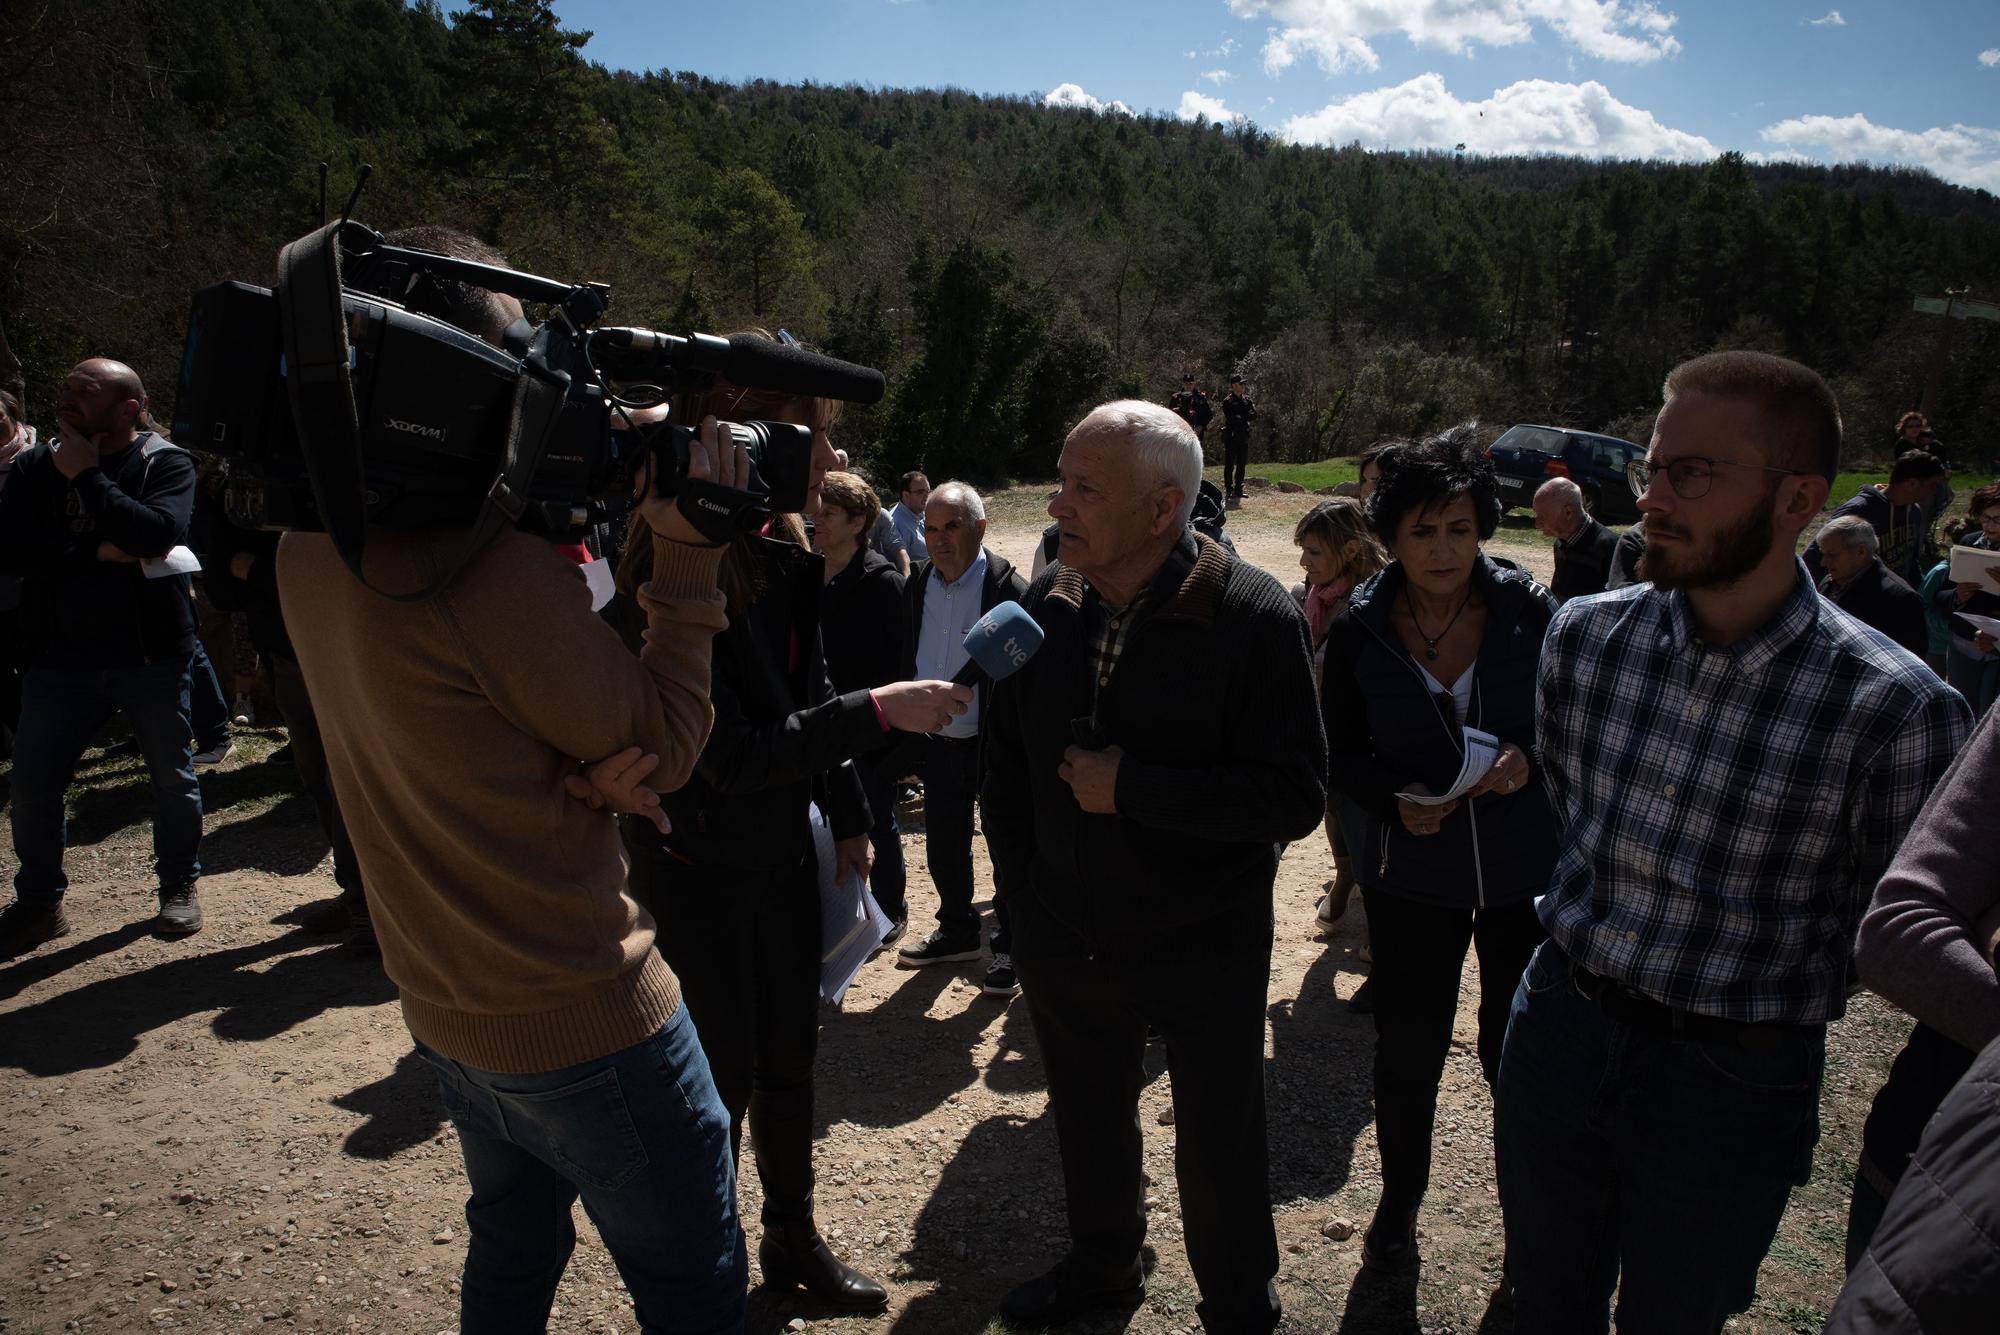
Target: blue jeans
[(642, 1136), (1629, 1159), (61, 710), (208, 707)]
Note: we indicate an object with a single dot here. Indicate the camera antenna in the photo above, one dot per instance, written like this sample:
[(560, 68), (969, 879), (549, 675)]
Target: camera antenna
[(355, 194), (322, 194)]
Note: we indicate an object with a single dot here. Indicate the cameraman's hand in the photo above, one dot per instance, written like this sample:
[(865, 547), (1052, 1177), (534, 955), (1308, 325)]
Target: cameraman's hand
[(852, 855), (725, 462), (921, 706), (616, 782)]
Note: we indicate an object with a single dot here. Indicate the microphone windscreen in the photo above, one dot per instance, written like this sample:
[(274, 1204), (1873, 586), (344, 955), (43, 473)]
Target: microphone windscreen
[(764, 364), (1003, 640)]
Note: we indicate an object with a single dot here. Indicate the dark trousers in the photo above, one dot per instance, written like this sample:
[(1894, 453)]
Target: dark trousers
[(745, 945), (1235, 461), (208, 708), (1923, 1073), (13, 662), (950, 769), (1090, 1020), (1419, 954), (1628, 1159), (888, 879), (61, 710), (639, 1135), (288, 684)]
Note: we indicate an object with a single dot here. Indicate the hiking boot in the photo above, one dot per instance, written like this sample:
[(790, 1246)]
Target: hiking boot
[(940, 947), (180, 911), (25, 926), (1000, 979)]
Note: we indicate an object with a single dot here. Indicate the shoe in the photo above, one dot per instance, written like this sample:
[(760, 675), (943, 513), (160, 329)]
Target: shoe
[(25, 926), (1363, 1000), (939, 948), (897, 931), (180, 911), (243, 713), (1000, 979), (1390, 1244), (124, 746), (216, 754), (328, 916), (1065, 1291), (795, 1256), (283, 756), (1333, 904)]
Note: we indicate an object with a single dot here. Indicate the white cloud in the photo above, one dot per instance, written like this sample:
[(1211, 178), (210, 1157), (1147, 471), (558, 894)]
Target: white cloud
[(1336, 33), (1963, 154), (1990, 57), (1832, 20), (1533, 116), (1216, 77), (1200, 104), (1072, 95), (1228, 48)]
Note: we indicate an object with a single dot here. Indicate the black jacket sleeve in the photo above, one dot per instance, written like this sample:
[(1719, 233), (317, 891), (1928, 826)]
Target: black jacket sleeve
[(155, 520), (746, 756), (1352, 766)]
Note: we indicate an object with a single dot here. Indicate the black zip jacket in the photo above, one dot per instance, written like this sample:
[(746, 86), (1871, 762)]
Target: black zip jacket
[(1212, 704), (861, 623), (1388, 727), (1879, 600), (217, 539), (782, 737), (78, 611), (1238, 412)]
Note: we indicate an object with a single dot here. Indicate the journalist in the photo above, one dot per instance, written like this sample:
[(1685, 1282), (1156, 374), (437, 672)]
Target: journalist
[(567, 1058), (734, 884)]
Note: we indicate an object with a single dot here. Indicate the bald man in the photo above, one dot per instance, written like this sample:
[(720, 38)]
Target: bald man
[(1584, 547), (82, 512)]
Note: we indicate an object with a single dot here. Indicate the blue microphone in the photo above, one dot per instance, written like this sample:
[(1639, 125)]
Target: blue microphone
[(1000, 644)]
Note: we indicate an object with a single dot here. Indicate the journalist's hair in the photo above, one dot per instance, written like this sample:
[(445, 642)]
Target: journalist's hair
[(1562, 489), (1801, 416), (1433, 473), (473, 309), (960, 497), (1916, 464), (1165, 449), (1337, 523), (1851, 531), (851, 492)]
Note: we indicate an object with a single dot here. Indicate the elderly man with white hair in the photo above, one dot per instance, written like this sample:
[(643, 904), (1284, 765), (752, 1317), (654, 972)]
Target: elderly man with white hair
[(1584, 547), (1143, 770), (1859, 584)]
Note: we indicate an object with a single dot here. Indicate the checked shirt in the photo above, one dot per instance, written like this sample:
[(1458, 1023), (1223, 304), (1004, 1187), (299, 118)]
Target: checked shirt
[(1723, 813)]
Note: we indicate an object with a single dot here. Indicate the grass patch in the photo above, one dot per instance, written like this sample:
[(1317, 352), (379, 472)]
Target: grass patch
[(1325, 473)]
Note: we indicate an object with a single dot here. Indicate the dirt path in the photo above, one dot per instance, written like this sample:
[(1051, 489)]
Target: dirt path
[(230, 1131)]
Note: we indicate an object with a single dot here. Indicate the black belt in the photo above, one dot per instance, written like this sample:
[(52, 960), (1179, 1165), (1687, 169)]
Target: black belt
[(1626, 1006)]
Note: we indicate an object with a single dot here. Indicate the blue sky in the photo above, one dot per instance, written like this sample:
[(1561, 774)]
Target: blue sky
[(1914, 83)]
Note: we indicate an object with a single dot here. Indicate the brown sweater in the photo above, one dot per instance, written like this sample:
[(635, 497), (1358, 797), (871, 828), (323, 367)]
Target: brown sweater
[(500, 901)]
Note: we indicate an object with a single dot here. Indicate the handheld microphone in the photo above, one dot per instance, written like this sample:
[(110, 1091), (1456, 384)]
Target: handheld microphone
[(1000, 644)]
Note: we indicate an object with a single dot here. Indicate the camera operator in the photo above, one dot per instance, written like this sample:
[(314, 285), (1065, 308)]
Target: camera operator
[(735, 884), (568, 1061)]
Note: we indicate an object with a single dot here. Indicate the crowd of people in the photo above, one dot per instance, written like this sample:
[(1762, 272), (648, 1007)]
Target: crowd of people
[(1658, 800)]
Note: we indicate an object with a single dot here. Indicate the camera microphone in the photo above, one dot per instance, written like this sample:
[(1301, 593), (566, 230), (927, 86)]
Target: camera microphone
[(748, 359), (1001, 643)]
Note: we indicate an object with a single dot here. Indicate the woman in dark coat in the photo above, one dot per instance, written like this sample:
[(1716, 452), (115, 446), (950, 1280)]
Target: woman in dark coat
[(1442, 641), (734, 883)]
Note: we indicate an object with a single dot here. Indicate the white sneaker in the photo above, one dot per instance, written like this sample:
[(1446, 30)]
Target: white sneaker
[(215, 755), (243, 713)]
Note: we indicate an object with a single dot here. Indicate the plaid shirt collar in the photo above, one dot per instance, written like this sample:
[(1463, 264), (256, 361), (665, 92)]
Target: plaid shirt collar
[(1753, 653)]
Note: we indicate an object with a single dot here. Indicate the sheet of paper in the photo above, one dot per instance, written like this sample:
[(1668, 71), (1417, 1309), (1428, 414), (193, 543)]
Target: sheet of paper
[(1991, 625), (1976, 565), (602, 581), (1481, 750), (851, 927), (179, 561)]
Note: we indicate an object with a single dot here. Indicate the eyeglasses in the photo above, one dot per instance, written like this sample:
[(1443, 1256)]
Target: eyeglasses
[(1690, 477)]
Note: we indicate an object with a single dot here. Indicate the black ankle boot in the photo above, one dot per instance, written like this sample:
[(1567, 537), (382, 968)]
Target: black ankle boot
[(796, 1255), (1390, 1244)]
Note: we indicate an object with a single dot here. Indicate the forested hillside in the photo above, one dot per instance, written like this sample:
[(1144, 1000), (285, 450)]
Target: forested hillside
[(1006, 263)]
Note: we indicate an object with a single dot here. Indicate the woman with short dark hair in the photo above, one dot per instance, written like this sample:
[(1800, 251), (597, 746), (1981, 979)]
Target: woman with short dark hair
[(1443, 640)]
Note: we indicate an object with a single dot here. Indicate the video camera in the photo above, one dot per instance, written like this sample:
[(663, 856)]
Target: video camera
[(333, 407)]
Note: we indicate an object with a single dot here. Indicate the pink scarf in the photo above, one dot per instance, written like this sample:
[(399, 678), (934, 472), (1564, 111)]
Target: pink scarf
[(14, 444), (1323, 604)]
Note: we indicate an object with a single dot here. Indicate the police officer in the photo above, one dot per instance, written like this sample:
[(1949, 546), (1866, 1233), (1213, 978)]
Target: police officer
[(1192, 406), (1238, 412)]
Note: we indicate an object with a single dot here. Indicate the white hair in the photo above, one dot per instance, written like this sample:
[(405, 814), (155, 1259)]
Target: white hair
[(1564, 490), (960, 497), (1852, 531), (1164, 447)]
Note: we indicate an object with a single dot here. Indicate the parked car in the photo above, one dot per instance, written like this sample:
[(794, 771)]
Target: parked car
[(1527, 456)]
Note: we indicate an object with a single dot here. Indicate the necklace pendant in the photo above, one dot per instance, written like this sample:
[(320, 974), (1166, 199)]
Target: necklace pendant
[(1430, 651)]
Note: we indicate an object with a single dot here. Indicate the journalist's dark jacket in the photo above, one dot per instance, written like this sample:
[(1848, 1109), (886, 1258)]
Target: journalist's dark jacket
[(782, 737), (1002, 583), (861, 623), (78, 611), (1388, 727), (1212, 704), (217, 539), (1583, 561), (1880, 600)]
